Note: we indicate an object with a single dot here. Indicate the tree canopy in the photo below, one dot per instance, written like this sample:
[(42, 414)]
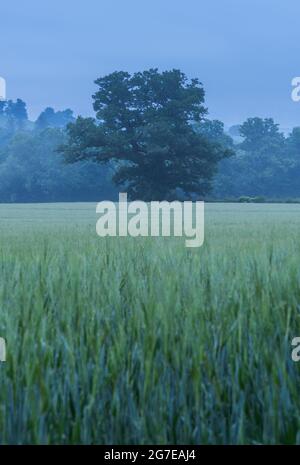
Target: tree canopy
[(267, 163), (146, 123), (161, 150)]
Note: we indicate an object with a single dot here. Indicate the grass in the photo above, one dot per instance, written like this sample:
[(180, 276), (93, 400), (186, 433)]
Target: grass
[(143, 341)]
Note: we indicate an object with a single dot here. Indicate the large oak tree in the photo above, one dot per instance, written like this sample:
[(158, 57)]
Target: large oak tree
[(145, 123)]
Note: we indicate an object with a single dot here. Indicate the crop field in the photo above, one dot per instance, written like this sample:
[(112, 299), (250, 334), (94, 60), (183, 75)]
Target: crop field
[(144, 341)]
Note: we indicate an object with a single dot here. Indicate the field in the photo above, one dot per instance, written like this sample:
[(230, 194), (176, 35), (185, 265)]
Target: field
[(143, 341)]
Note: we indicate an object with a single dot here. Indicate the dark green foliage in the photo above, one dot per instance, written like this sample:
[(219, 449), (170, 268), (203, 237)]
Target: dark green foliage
[(32, 171), (13, 117), (214, 131), (266, 163), (30, 168), (146, 122), (50, 118), (152, 137)]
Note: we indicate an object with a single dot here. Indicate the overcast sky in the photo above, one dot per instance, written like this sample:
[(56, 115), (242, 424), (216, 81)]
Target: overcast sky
[(245, 52)]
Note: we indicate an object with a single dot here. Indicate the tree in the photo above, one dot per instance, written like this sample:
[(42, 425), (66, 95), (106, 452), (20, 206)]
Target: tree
[(293, 143), (16, 113), (145, 123), (261, 137), (214, 131), (32, 171), (13, 115), (49, 118), (2, 107), (292, 164), (260, 165), (234, 130)]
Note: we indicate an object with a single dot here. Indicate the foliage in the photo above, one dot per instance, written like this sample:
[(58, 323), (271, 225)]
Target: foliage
[(169, 145), (32, 171), (266, 163), (145, 122), (50, 118)]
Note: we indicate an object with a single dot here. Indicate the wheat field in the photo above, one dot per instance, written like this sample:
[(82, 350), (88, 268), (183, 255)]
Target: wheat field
[(144, 341)]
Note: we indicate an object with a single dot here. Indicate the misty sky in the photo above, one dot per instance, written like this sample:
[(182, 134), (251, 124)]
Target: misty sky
[(244, 51)]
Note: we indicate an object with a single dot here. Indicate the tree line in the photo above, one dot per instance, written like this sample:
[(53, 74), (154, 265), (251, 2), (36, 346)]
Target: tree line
[(32, 170), (151, 137)]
